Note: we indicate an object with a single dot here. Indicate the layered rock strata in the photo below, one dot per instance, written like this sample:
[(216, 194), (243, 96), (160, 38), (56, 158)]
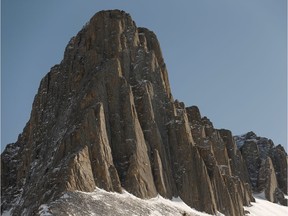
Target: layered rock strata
[(105, 117)]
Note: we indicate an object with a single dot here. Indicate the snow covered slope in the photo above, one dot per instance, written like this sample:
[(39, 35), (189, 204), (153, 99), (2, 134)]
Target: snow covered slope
[(263, 207), (103, 203)]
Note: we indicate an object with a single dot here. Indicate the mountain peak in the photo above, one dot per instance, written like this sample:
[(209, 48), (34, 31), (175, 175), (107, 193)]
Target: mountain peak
[(250, 135), (105, 117)]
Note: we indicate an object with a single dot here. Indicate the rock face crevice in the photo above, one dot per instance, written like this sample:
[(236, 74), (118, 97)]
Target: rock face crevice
[(105, 117)]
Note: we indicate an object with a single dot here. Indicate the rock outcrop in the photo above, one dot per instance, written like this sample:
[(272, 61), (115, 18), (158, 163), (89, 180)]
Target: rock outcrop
[(105, 117), (266, 164)]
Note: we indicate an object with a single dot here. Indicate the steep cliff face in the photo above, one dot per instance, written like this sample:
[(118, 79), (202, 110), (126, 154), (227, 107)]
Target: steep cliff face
[(266, 164), (105, 117)]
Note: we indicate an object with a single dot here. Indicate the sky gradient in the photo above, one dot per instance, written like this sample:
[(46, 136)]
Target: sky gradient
[(227, 57)]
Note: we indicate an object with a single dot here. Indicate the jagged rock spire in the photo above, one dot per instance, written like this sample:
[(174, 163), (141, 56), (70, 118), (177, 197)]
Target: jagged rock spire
[(266, 165)]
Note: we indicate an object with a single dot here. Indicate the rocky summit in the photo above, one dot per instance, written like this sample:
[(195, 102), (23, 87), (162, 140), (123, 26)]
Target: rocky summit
[(105, 117)]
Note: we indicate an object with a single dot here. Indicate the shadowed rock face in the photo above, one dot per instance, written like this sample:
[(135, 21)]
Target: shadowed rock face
[(266, 164), (105, 117)]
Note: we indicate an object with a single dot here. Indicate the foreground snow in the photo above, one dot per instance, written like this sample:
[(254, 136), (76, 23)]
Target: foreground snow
[(101, 202), (263, 207), (127, 204)]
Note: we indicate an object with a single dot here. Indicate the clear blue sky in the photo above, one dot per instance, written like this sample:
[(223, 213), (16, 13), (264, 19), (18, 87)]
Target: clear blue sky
[(227, 57)]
